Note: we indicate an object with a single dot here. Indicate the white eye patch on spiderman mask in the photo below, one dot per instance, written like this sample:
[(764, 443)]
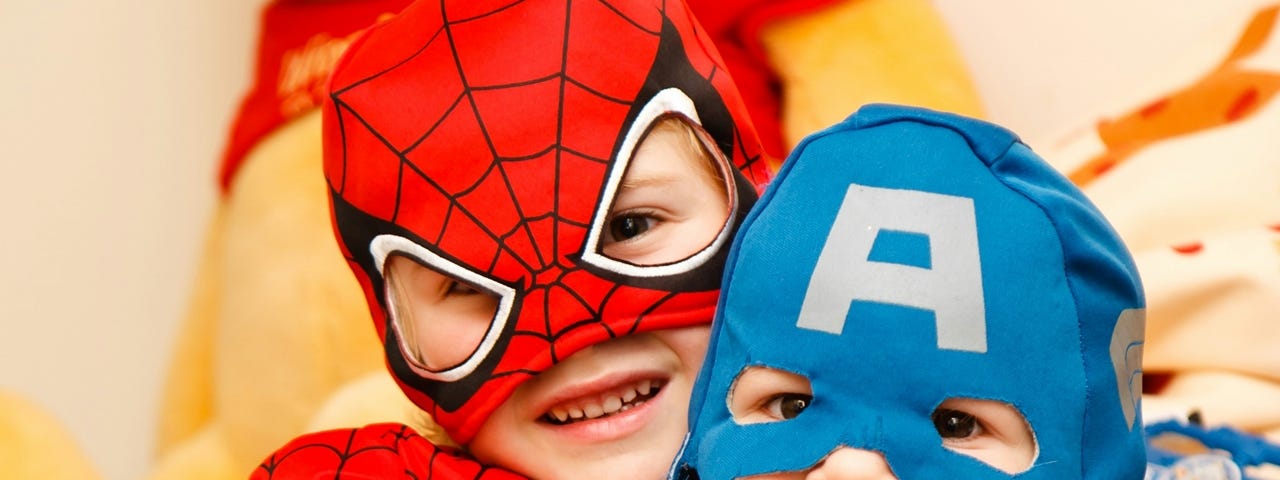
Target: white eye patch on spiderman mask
[(904, 261)]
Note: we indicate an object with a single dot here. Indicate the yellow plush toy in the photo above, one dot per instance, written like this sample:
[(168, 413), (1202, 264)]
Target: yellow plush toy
[(802, 65), (34, 446), (855, 52), (277, 325), (278, 340)]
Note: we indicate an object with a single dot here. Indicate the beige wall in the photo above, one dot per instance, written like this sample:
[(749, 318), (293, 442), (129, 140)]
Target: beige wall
[(1046, 66), (112, 115)]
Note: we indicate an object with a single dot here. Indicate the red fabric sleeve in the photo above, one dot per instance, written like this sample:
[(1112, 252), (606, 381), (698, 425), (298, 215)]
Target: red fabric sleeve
[(382, 451)]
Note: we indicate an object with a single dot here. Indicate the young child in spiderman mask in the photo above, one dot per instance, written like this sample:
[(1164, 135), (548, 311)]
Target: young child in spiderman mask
[(536, 198), (919, 296)]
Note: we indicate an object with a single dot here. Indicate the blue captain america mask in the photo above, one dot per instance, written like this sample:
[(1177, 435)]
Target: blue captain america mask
[(905, 257)]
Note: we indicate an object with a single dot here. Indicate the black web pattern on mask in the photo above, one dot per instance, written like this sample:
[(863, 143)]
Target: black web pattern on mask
[(547, 255)]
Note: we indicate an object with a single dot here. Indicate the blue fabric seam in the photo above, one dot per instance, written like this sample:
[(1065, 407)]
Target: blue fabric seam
[(1075, 298)]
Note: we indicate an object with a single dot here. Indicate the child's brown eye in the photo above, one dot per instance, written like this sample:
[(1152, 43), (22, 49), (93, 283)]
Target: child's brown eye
[(624, 227), (789, 405), (954, 423)]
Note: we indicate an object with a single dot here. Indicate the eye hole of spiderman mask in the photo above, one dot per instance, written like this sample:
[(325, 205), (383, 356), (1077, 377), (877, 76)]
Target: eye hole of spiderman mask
[(669, 210), (671, 205)]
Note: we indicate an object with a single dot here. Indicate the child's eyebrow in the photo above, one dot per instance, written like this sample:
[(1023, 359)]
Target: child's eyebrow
[(653, 180)]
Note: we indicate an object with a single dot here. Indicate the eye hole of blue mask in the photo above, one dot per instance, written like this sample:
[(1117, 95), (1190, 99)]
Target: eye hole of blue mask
[(763, 395), (993, 432)]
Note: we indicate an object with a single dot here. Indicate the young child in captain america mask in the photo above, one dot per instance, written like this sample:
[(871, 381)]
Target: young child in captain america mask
[(919, 296), (537, 199)]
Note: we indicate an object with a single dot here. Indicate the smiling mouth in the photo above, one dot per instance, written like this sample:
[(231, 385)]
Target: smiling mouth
[(603, 405)]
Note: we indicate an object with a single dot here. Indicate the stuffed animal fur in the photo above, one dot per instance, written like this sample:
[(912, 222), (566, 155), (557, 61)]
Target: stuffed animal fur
[(35, 446)]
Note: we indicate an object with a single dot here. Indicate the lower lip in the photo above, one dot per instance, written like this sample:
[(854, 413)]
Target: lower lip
[(612, 427)]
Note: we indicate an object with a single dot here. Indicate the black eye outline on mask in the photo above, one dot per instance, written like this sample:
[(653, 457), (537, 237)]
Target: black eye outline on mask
[(670, 101), (384, 246)]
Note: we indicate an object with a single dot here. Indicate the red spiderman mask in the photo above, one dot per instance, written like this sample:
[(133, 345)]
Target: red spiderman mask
[(486, 140)]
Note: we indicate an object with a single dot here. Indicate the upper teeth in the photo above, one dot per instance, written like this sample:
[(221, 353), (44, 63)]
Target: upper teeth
[(613, 401)]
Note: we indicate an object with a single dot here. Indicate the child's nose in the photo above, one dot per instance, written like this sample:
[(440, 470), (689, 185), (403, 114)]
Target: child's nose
[(851, 464)]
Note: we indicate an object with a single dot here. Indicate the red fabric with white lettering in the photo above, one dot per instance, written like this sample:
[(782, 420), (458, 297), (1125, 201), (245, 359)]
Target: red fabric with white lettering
[(297, 47)]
